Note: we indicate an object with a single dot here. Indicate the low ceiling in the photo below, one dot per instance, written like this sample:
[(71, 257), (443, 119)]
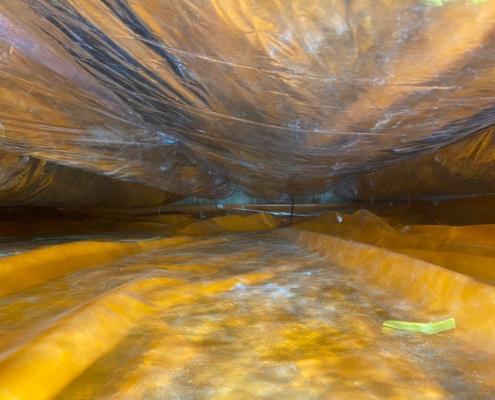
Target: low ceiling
[(131, 103)]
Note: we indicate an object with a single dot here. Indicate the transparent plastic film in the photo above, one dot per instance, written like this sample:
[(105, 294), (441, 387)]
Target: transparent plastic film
[(277, 98)]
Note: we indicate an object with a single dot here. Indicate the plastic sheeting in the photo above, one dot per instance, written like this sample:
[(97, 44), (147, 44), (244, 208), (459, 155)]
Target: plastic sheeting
[(285, 314), (277, 97), (464, 169), (27, 181)]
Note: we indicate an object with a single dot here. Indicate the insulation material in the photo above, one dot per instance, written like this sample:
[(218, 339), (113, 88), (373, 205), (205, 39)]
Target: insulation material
[(279, 98), (289, 313)]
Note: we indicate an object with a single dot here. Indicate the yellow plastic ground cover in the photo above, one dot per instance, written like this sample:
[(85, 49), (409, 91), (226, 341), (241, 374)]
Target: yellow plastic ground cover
[(232, 223), (34, 373), (436, 289), (24, 270), (289, 314), (466, 249), (31, 268)]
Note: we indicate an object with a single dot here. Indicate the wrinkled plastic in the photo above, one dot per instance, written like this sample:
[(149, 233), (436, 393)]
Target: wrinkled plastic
[(277, 97), (460, 170), (285, 314), (27, 181), (465, 249)]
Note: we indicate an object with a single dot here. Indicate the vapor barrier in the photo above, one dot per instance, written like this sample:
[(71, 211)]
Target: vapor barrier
[(277, 98), (242, 307)]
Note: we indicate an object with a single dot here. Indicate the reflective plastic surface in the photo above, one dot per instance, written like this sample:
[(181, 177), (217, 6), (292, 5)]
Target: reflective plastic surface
[(198, 97), (239, 315)]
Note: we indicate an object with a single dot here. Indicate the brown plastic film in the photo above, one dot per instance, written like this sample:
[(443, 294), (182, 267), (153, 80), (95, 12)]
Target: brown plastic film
[(278, 98), (461, 170)]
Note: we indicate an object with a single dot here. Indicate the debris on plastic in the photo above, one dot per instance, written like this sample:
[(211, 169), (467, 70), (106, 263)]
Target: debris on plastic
[(428, 328)]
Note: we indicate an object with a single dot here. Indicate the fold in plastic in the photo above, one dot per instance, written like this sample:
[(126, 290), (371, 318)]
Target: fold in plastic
[(276, 97)]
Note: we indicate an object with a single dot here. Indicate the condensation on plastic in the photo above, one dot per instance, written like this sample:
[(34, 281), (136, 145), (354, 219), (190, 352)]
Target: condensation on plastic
[(285, 314), (276, 97)]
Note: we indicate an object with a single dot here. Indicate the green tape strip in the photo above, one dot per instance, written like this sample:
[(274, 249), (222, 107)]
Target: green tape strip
[(434, 3), (440, 3), (429, 328)]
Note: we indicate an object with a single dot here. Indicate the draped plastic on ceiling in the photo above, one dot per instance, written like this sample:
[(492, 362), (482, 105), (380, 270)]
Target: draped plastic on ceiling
[(276, 97)]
